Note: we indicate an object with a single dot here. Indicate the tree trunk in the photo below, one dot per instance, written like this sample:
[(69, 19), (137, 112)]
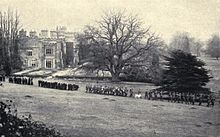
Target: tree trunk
[(115, 77)]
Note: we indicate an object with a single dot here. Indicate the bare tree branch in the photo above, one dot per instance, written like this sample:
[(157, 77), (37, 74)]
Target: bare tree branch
[(119, 40)]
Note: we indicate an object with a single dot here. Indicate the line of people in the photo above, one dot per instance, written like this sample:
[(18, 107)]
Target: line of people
[(176, 97), (181, 97), (114, 91), (2, 78), (57, 85), (20, 80)]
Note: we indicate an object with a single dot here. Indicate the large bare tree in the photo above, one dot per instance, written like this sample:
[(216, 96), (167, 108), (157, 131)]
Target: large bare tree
[(118, 40), (9, 27)]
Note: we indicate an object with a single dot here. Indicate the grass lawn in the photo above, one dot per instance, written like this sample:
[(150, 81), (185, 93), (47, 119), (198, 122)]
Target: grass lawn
[(76, 113)]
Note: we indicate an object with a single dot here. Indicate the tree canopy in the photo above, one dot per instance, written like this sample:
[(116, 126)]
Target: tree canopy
[(118, 40), (9, 50), (184, 73), (183, 41), (214, 46)]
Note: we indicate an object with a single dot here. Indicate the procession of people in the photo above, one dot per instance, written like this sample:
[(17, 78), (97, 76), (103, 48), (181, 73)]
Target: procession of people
[(181, 97), (23, 80), (20, 80), (57, 85), (154, 94), (114, 91)]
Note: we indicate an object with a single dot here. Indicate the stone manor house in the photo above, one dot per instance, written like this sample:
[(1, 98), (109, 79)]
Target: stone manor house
[(48, 49)]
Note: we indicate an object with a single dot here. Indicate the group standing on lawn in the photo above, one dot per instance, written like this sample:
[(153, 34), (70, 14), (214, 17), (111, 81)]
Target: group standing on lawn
[(179, 97), (170, 96)]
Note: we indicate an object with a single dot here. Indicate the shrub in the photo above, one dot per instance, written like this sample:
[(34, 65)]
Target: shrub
[(12, 126)]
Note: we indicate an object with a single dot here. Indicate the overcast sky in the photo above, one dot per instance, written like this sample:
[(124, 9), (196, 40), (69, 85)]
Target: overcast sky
[(201, 18)]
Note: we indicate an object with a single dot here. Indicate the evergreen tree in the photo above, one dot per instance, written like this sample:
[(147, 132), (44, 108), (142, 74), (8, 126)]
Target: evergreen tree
[(184, 73)]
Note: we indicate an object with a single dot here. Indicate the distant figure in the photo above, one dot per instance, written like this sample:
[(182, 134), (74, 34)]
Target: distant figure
[(131, 93), (1, 84), (146, 95)]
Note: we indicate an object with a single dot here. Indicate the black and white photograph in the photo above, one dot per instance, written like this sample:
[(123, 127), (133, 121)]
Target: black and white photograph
[(109, 68)]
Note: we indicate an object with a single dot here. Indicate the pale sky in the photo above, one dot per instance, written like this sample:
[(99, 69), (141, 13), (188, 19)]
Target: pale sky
[(201, 18)]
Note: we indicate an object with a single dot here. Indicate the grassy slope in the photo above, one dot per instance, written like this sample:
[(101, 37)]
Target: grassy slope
[(80, 114), (86, 115), (214, 66)]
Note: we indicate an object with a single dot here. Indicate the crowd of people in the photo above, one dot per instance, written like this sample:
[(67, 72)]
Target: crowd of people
[(176, 97), (114, 91), (181, 97), (41, 83), (57, 85), (20, 80), (2, 78)]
